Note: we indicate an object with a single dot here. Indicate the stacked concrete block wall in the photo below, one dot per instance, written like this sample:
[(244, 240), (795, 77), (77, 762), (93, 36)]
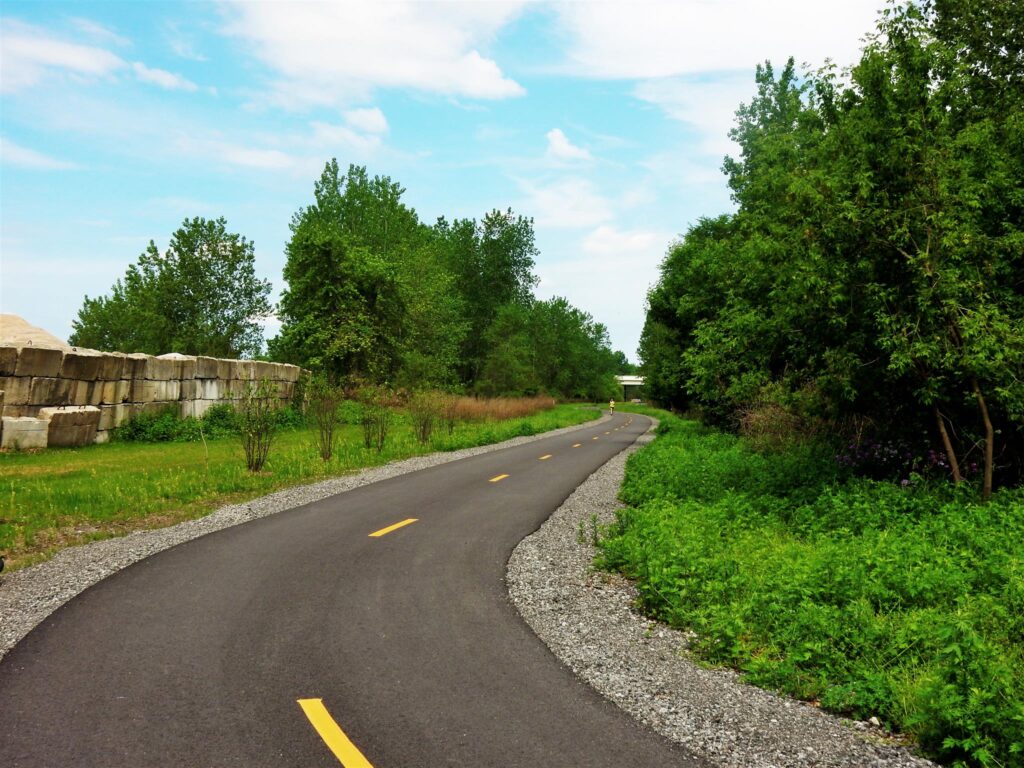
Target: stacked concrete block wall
[(83, 394)]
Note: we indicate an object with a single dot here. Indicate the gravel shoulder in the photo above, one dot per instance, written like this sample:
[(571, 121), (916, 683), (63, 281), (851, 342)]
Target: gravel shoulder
[(587, 620)]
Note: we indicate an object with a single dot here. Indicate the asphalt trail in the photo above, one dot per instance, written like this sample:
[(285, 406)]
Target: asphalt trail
[(201, 654)]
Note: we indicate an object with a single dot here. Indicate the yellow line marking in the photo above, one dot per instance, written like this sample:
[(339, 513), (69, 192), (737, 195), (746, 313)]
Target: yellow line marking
[(607, 433), (545, 457), (497, 479), (333, 736), (395, 527), (577, 445), (595, 437)]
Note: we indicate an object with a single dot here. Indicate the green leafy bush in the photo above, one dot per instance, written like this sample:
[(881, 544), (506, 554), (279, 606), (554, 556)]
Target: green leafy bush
[(905, 603)]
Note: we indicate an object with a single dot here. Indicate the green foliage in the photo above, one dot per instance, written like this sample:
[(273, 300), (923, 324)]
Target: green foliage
[(873, 264), (257, 423), (167, 426), (199, 297), (325, 400), (424, 410), (874, 599)]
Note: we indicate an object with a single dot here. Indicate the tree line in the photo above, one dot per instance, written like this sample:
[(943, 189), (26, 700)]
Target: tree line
[(871, 278), (373, 296)]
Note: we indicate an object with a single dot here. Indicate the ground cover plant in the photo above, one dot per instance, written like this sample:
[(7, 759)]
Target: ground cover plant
[(872, 598), (60, 497)]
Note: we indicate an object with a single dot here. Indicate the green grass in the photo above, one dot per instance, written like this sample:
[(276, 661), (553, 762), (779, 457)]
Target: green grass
[(64, 496), (867, 597)]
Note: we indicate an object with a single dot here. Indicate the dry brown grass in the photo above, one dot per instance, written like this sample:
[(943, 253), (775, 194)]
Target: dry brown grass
[(485, 408)]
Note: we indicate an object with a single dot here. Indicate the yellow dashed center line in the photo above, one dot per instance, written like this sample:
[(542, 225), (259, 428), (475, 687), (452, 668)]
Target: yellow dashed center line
[(497, 479), (545, 457), (577, 445), (595, 437), (335, 739), (394, 527)]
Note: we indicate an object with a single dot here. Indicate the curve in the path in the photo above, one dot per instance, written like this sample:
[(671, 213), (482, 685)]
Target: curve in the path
[(302, 639)]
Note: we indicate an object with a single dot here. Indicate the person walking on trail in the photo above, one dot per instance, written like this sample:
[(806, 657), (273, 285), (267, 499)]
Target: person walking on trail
[(611, 406)]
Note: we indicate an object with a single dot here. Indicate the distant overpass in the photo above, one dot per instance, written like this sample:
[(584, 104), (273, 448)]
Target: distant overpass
[(631, 386)]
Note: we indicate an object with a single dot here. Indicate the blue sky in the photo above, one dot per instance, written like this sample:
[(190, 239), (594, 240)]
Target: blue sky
[(605, 122)]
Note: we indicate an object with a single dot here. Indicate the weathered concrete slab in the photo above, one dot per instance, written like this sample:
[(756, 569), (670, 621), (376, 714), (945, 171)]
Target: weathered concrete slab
[(8, 360), (206, 367), (85, 393), (18, 411), (16, 389), (102, 437), (135, 366), (197, 408), (38, 361), (161, 369), (81, 364), (185, 367), (112, 367), (111, 416), (115, 391), (23, 433), (49, 391)]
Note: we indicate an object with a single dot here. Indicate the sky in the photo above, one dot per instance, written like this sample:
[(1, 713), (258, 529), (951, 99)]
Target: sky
[(606, 122)]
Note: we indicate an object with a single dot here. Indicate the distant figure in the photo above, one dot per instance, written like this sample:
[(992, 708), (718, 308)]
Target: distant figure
[(611, 406)]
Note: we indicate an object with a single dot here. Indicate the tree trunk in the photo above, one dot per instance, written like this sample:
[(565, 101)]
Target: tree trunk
[(954, 466), (986, 492)]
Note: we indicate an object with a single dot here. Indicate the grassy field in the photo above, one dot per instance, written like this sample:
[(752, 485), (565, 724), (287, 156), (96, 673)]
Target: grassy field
[(65, 496), (869, 598)]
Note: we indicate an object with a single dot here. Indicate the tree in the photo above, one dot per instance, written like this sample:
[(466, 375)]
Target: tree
[(199, 297)]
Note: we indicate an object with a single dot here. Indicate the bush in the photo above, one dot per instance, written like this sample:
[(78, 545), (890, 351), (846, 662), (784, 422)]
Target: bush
[(424, 410), (324, 401), (875, 599), (376, 416), (257, 422)]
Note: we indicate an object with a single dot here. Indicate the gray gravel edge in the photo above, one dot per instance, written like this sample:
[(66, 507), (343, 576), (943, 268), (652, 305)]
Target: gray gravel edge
[(29, 595), (587, 620)]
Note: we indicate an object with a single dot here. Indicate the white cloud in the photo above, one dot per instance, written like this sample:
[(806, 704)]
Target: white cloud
[(22, 157), (609, 241), (328, 53), (367, 120), (99, 32), (610, 279), (28, 54), (707, 103), (265, 159), (561, 150), (662, 39), (162, 78), (568, 203), (343, 138)]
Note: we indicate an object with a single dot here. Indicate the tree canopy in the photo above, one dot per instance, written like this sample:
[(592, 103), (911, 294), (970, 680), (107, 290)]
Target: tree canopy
[(873, 271), (201, 296)]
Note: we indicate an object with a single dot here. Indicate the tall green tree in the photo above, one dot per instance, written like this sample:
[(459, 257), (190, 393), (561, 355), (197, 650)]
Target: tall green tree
[(200, 296)]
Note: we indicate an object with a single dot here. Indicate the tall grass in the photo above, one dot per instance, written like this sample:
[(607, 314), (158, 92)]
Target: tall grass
[(64, 496)]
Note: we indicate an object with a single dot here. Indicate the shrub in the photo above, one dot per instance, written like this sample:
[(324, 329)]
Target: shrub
[(873, 598), (324, 401), (257, 423), (376, 416), (424, 409)]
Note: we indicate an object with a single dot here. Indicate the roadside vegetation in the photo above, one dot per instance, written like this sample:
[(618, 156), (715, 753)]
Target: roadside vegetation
[(161, 469), (871, 598), (843, 520)]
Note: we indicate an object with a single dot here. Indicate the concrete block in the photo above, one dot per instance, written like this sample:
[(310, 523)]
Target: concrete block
[(111, 416), (264, 370), (22, 433), (102, 437), (285, 389), (72, 416), (209, 389), (147, 391), (188, 388), (185, 365), (47, 391), (114, 392), (71, 437), (196, 409), (16, 389), (135, 366), (80, 364), (112, 367), (8, 360), (85, 393), (224, 369), (156, 407), (38, 361), (206, 367), (20, 411), (161, 369)]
